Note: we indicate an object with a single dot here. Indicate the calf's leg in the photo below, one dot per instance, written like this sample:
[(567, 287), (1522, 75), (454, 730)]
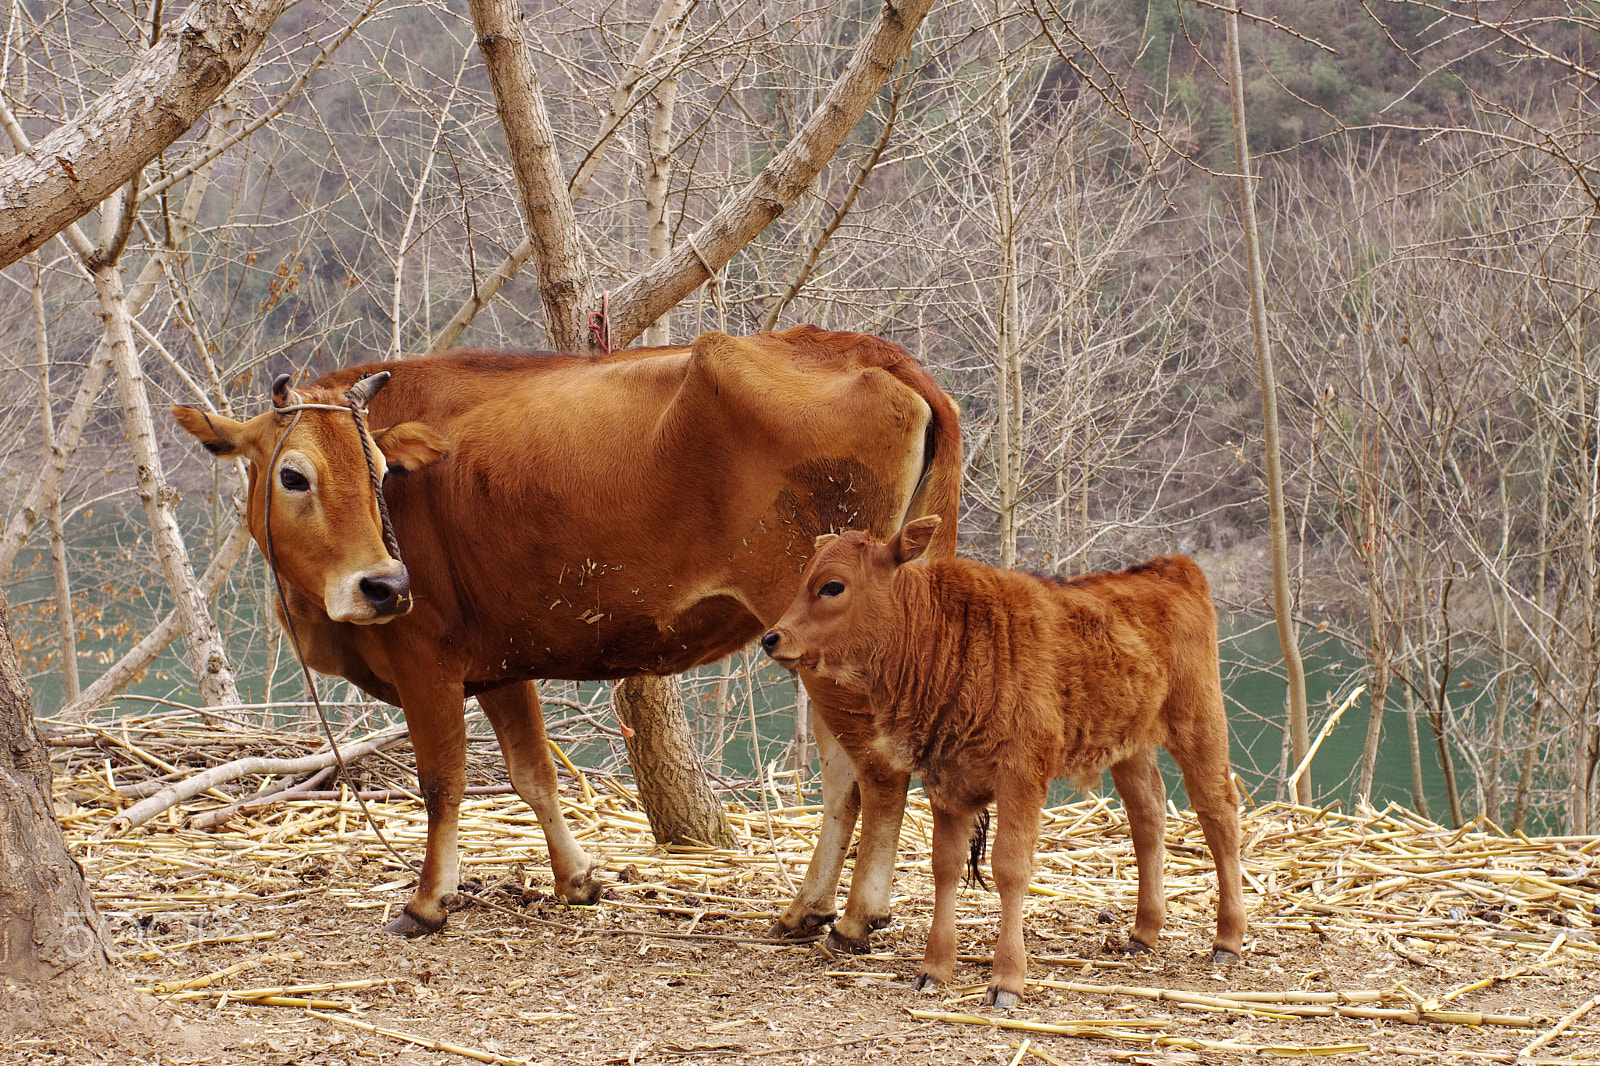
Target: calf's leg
[(1018, 803), (1144, 797), (518, 723), (855, 781), (435, 715), (952, 833), (883, 806), (1209, 780)]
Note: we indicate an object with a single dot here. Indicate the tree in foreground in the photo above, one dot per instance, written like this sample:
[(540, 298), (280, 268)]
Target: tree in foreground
[(55, 968)]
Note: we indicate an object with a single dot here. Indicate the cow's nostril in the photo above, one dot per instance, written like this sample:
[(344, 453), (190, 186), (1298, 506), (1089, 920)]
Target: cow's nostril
[(385, 592), (770, 641)]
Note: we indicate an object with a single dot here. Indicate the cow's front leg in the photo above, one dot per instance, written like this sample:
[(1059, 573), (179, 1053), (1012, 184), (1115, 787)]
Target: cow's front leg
[(519, 725), (439, 737)]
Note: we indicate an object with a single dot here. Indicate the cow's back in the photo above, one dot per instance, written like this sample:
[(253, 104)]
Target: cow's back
[(645, 511)]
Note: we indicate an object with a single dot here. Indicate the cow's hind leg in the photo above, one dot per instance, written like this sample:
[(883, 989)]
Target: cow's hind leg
[(952, 833), (1018, 803), (514, 713), (883, 806), (813, 905), (1144, 797), (854, 782), (435, 716)]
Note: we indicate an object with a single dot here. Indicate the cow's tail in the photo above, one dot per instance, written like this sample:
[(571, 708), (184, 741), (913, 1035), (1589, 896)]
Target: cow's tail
[(939, 489)]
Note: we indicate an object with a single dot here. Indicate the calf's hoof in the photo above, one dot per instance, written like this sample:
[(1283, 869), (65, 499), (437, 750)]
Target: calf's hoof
[(1000, 997), (584, 890), (808, 926), (1224, 957), (926, 982), (847, 945), (1136, 947), (410, 924)]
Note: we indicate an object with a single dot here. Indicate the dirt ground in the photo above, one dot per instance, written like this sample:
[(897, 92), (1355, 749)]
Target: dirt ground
[(1499, 930)]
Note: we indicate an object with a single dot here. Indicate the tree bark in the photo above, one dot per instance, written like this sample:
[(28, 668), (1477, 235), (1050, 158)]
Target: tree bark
[(670, 774), (565, 288), (65, 175), (658, 170), (1282, 596), (47, 439), (55, 965)]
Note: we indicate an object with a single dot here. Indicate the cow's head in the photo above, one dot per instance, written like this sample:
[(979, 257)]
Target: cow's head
[(845, 601), (326, 536)]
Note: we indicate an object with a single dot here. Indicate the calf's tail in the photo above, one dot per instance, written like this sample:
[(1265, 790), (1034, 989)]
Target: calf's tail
[(980, 839)]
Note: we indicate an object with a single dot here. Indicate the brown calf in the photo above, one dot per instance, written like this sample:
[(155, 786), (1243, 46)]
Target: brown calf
[(991, 683)]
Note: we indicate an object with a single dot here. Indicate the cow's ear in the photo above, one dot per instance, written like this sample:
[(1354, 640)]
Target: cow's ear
[(913, 538), (411, 446), (823, 541), (219, 434)]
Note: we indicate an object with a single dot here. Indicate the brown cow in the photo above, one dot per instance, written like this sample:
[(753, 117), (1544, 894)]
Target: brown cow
[(587, 518), (991, 683)]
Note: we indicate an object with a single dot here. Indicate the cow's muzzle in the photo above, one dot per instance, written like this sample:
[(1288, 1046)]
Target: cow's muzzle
[(387, 594)]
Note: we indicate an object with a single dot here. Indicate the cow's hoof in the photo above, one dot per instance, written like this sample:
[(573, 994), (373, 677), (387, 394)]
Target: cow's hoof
[(410, 925), (1224, 957), (926, 982), (999, 997), (847, 945), (1136, 947), (808, 927), (881, 923)]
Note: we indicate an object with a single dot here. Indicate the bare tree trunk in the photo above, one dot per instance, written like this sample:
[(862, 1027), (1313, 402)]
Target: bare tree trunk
[(81, 164), (58, 547), (662, 36), (1282, 597), (1419, 793), (1008, 348), (565, 288), (678, 801), (55, 966), (658, 173), (207, 656)]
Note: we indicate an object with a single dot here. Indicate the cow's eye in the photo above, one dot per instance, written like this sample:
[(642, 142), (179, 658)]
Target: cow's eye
[(293, 480), (832, 588)]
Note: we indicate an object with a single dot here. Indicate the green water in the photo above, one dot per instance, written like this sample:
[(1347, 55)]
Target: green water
[(1252, 680)]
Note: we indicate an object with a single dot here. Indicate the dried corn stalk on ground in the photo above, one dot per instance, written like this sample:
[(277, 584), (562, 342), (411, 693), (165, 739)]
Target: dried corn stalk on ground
[(1378, 937)]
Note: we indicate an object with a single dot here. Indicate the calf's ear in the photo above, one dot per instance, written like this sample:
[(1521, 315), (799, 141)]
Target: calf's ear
[(411, 446), (822, 541), (219, 434), (913, 538)]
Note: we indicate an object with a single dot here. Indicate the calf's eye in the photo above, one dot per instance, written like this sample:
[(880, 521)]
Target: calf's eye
[(832, 588), (293, 480)]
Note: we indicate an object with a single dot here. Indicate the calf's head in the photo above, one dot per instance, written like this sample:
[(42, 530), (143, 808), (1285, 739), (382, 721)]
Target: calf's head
[(326, 538), (846, 600)]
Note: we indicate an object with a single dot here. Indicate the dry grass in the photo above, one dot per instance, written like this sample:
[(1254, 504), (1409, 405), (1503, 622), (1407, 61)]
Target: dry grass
[(1379, 937)]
